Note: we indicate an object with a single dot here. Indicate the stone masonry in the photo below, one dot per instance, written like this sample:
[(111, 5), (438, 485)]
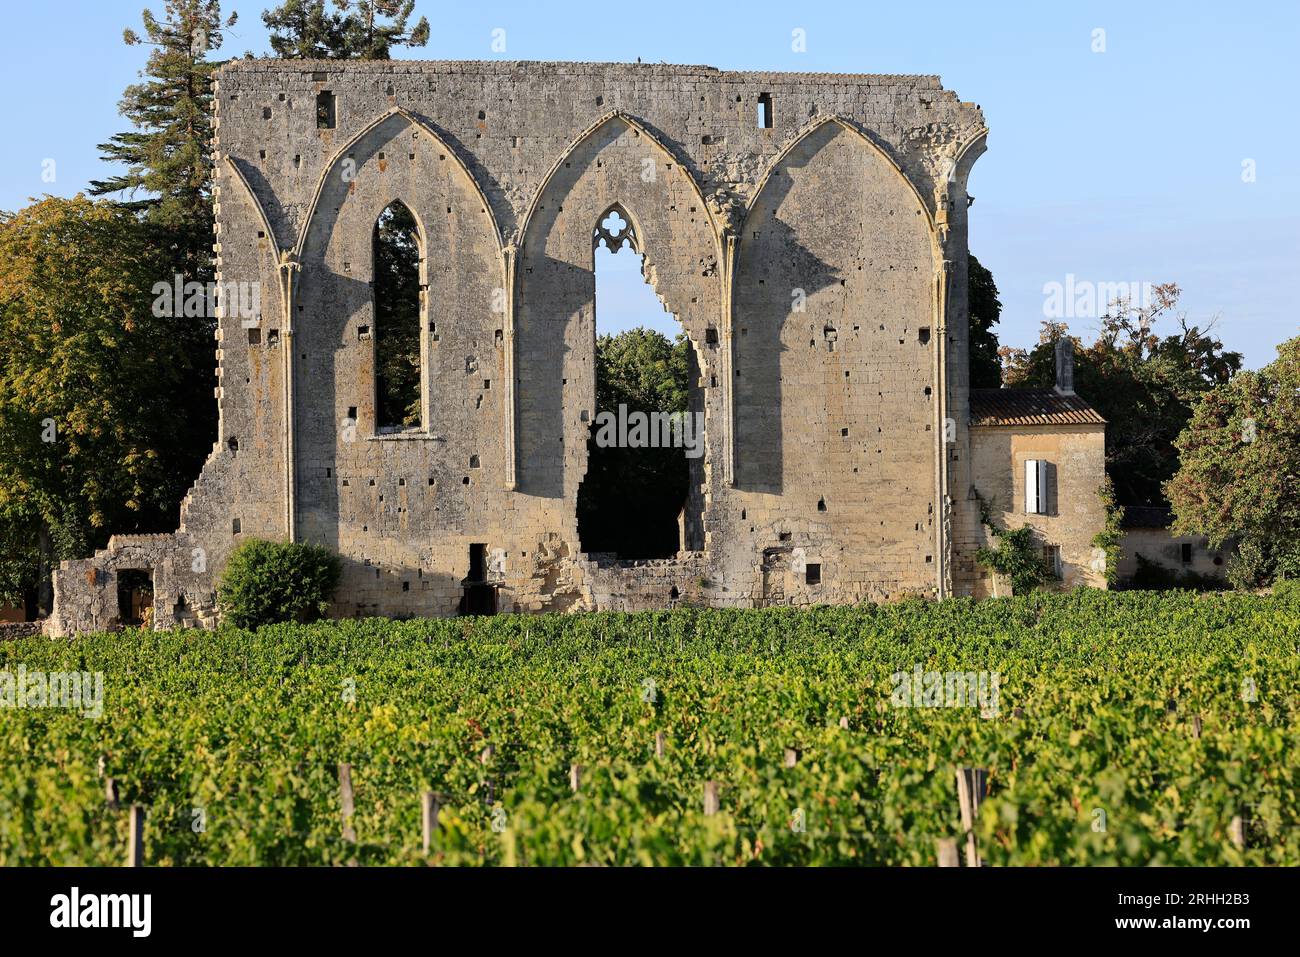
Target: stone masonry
[(816, 258)]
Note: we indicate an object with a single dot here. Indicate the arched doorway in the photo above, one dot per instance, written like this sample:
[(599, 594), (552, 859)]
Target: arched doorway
[(646, 440)]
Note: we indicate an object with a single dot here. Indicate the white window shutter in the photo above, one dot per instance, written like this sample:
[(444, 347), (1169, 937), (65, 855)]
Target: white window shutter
[(1036, 482)]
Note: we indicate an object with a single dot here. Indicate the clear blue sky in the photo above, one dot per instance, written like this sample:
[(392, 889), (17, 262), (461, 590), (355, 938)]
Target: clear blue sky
[(1117, 166)]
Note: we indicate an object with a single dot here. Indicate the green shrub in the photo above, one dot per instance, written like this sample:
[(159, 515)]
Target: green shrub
[(1249, 567), (1016, 555), (1287, 588), (266, 582)]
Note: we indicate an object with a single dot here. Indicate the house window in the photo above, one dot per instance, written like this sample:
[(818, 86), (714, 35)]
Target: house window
[(1187, 553), (1037, 486), (1052, 558), (765, 111), (813, 573)]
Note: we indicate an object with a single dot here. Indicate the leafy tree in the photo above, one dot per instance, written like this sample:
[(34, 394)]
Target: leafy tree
[(355, 30), (1143, 384), (1240, 471), (20, 560), (630, 499), (98, 405), (641, 368), (985, 313), (168, 155)]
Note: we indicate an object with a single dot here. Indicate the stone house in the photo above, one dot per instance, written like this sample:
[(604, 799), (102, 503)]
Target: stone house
[(1188, 558), (1039, 459), (807, 231)]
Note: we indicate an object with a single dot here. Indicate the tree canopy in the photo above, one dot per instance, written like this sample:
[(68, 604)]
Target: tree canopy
[(353, 30), (985, 313), (103, 423), (1142, 383), (1240, 469), (106, 404), (167, 156), (629, 501)]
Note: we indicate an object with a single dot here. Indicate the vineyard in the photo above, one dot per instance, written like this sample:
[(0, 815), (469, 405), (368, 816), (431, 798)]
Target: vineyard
[(1126, 728)]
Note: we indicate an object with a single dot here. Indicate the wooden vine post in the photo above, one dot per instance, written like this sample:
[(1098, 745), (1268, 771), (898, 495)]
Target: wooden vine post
[(429, 808), (971, 788), (135, 844), (946, 847), (711, 802), (345, 800)]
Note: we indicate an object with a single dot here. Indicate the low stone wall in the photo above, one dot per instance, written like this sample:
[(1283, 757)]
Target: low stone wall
[(10, 630)]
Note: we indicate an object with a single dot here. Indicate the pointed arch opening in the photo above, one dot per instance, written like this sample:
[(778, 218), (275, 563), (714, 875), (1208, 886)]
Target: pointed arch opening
[(640, 497), (399, 294)]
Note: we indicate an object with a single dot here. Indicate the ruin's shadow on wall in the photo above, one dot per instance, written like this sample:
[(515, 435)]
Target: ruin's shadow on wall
[(772, 266), (543, 364), (280, 220), (502, 209), (319, 431)]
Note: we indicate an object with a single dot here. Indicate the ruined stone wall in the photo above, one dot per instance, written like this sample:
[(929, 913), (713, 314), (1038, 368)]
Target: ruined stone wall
[(817, 264), (835, 369)]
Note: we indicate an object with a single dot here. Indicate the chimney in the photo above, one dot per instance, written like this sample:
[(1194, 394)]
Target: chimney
[(1065, 365)]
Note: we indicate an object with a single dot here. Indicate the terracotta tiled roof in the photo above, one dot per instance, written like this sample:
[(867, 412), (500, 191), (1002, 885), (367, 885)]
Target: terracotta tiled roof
[(1030, 407)]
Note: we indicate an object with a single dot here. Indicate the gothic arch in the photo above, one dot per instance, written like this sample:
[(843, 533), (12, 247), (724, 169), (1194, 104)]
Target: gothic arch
[(365, 131), (632, 123), (875, 147), (630, 235), (419, 225), (554, 289), (256, 203), (831, 296), (336, 327)]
